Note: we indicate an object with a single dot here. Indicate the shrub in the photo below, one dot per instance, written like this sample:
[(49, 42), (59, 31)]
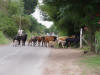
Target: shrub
[(10, 31)]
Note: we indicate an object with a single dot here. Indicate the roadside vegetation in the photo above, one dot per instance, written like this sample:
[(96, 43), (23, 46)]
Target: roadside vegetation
[(69, 16), (3, 39), (90, 64), (14, 12), (93, 61)]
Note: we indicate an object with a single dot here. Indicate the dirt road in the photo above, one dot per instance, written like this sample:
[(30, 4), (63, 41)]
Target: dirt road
[(40, 61), (66, 62), (22, 60)]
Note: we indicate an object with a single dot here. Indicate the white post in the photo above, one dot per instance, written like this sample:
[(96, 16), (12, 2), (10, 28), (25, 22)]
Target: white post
[(81, 38)]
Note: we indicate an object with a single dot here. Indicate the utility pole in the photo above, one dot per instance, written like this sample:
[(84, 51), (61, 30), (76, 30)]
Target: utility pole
[(20, 22)]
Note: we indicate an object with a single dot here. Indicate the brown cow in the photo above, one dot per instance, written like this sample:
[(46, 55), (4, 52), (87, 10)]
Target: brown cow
[(47, 39), (32, 41), (62, 41)]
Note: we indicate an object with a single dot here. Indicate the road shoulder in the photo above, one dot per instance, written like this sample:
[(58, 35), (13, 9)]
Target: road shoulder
[(63, 62)]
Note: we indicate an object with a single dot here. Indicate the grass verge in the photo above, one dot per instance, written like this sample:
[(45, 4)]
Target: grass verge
[(3, 39), (91, 63)]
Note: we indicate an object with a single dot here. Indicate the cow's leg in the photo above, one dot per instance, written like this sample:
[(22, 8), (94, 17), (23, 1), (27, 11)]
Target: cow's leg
[(39, 43), (18, 42), (69, 44), (45, 44), (42, 43), (33, 43), (23, 43), (63, 44), (28, 43)]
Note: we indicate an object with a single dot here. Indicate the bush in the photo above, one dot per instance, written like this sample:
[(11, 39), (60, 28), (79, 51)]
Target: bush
[(3, 39), (10, 31)]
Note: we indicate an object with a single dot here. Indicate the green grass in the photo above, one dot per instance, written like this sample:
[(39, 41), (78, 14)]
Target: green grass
[(3, 39), (92, 61), (90, 64)]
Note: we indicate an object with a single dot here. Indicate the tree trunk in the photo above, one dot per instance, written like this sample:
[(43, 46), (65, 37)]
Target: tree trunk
[(92, 44), (92, 39)]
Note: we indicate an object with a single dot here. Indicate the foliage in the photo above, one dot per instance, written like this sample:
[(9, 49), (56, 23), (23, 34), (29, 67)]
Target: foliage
[(53, 29), (29, 6), (15, 7), (10, 31), (70, 15), (16, 12), (3, 39), (36, 27), (7, 24)]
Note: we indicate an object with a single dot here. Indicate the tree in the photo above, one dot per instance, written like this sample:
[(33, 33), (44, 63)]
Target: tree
[(29, 6), (10, 12), (70, 15)]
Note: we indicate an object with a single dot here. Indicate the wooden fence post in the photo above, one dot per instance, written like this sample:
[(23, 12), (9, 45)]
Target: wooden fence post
[(81, 37)]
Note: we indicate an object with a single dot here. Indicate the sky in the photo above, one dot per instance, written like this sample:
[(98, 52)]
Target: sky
[(37, 15)]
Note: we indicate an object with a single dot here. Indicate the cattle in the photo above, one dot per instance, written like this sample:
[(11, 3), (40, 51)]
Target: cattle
[(52, 44), (17, 39), (69, 41), (47, 39), (32, 41), (43, 40), (62, 41), (39, 40), (24, 38)]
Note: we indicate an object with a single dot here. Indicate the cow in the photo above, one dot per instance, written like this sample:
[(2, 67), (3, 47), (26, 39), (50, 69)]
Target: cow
[(47, 39), (17, 39), (62, 41), (69, 41), (32, 41), (24, 38), (39, 39)]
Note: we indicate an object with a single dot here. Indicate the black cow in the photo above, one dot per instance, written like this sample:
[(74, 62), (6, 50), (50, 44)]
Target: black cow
[(69, 41), (22, 38)]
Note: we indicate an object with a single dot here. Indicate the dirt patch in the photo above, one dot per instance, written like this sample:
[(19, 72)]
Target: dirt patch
[(63, 62)]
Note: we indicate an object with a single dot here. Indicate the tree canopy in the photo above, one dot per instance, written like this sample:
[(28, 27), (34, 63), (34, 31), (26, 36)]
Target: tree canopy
[(29, 6), (14, 12), (70, 15)]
